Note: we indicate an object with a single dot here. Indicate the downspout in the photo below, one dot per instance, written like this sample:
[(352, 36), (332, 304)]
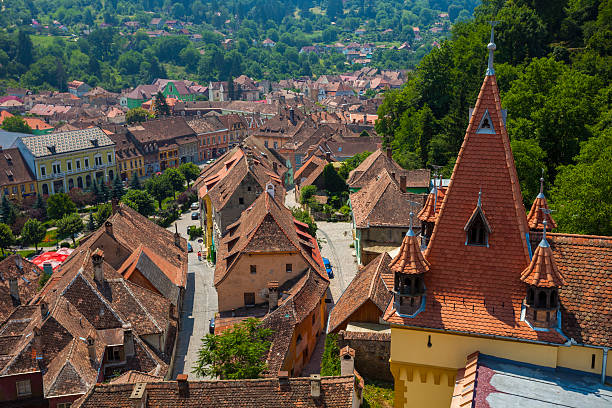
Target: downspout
[(603, 365)]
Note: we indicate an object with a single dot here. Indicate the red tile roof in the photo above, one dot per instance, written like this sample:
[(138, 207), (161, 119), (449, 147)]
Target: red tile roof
[(410, 259), (368, 284), (428, 213), (543, 271), (477, 289), (377, 161)]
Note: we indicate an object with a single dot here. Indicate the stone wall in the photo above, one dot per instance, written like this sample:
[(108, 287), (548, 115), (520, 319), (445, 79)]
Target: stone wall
[(372, 353)]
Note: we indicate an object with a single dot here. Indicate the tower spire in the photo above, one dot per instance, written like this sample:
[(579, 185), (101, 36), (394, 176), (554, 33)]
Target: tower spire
[(491, 47), (410, 232), (541, 195)]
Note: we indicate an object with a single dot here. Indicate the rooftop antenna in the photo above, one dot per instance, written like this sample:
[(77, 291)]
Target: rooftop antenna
[(480, 197), (491, 47)]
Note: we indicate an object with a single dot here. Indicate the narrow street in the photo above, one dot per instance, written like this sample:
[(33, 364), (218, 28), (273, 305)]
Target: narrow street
[(199, 305)]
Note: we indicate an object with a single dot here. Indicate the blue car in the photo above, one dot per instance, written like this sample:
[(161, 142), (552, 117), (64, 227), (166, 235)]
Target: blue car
[(189, 247), (328, 268)]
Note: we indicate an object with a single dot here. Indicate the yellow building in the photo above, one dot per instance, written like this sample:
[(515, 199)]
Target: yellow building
[(16, 180), (62, 161), (487, 285)]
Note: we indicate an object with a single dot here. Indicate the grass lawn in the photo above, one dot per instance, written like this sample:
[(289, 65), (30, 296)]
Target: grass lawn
[(26, 253), (50, 239), (378, 394)]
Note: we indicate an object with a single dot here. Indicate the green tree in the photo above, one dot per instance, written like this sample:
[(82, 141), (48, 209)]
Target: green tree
[(306, 193), (24, 49), (104, 211), (91, 225), (582, 195), (8, 211), (135, 115), (330, 361), (236, 353), (70, 225), (118, 190), (6, 237), (104, 193), (160, 106), (529, 159), (176, 180), (135, 182), (332, 182), (159, 187), (141, 201), (303, 216), (190, 171), (33, 232), (40, 202), (350, 164), (59, 205), (16, 124)]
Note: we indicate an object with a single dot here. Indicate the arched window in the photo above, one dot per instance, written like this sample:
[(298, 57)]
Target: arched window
[(70, 184), (45, 189), (88, 180), (530, 296), (553, 298), (477, 230), (80, 182)]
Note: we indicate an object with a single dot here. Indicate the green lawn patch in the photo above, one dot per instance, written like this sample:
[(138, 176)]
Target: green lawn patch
[(26, 253), (50, 239), (378, 394)]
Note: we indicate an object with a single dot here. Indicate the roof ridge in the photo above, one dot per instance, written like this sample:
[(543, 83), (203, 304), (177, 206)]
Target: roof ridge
[(127, 287)]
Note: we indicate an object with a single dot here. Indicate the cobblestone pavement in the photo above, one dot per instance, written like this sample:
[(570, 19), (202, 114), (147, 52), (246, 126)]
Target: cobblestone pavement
[(335, 239), (199, 305)]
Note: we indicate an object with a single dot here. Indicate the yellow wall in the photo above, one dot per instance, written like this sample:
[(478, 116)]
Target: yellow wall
[(66, 174), (422, 386), (131, 165), (208, 231), (448, 352), (29, 189)]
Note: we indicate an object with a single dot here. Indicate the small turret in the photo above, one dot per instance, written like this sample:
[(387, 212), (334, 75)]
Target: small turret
[(540, 212)]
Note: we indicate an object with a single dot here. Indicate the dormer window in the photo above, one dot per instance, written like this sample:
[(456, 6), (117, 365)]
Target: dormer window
[(486, 124), (477, 229)]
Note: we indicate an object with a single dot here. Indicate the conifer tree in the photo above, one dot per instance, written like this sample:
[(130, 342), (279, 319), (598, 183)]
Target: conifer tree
[(118, 190), (160, 106), (8, 212), (135, 182)]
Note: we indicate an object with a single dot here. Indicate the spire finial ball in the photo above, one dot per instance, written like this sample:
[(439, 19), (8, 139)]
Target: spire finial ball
[(491, 46)]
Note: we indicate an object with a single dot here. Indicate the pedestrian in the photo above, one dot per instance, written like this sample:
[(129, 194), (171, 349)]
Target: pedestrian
[(199, 255)]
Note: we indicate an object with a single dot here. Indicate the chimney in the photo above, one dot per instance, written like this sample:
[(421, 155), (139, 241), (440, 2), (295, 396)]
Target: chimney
[(403, 184), (47, 268), (347, 361), (44, 310), (115, 205), (139, 395), (182, 385), (389, 152), (19, 262), (275, 166), (328, 156), (393, 175), (13, 289), (292, 116), (270, 188), (283, 378), (109, 227), (37, 343), (91, 348), (272, 295), (315, 385), (128, 340), (97, 258), (177, 236)]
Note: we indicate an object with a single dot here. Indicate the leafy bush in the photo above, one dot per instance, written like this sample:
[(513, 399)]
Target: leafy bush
[(304, 217), (330, 362), (306, 193), (195, 232)]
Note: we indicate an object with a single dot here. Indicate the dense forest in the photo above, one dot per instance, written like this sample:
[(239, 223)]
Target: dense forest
[(87, 39), (554, 70)]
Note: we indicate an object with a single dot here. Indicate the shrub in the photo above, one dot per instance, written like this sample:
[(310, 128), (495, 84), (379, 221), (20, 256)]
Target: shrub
[(65, 244), (306, 193), (195, 232), (330, 362)]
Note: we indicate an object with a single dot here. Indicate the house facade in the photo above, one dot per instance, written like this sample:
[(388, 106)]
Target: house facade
[(16, 179), (62, 161)]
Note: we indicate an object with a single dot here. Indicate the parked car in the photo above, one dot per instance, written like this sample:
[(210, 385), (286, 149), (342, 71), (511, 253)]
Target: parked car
[(195, 215), (195, 206), (189, 247), (328, 268)]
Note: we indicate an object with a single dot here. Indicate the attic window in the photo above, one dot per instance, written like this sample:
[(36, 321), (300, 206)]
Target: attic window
[(51, 148), (486, 124), (477, 232)]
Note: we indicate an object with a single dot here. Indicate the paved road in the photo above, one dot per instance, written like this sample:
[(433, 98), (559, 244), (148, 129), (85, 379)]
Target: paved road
[(335, 239), (199, 305)]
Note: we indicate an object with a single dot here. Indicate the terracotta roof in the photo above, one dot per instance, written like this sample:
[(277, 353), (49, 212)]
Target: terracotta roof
[(586, 265), (314, 164), (161, 130), (376, 162), (476, 289), (26, 274), (36, 123), (410, 259), (13, 168), (381, 203), (428, 213), (542, 270), (536, 217), (133, 376), (4, 115), (266, 226), (261, 393), (368, 284)]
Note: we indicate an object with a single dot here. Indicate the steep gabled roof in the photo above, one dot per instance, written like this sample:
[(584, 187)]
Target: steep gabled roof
[(380, 203), (379, 160), (477, 289), (431, 209), (266, 226), (368, 284)]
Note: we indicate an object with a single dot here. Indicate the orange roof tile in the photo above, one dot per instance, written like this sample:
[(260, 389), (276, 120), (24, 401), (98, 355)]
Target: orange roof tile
[(540, 212), (4, 115), (477, 289), (410, 259), (543, 270), (36, 123), (428, 213)]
